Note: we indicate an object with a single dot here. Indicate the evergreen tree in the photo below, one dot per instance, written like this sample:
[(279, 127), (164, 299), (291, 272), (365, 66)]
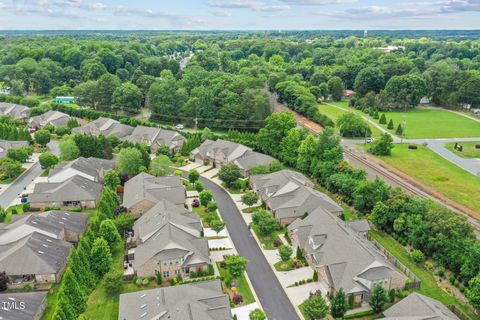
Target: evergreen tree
[(100, 256), (383, 119), (399, 130), (390, 125), (70, 289), (338, 305), (378, 298), (109, 232)]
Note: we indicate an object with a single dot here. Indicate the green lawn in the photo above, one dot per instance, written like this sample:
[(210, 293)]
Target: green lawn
[(242, 287), (268, 240), (428, 122), (469, 150), (429, 286), (284, 265), (437, 173), (206, 217)]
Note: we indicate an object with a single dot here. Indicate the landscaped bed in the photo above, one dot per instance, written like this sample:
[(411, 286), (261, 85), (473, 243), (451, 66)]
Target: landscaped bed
[(205, 216), (269, 241), (242, 287), (469, 149)]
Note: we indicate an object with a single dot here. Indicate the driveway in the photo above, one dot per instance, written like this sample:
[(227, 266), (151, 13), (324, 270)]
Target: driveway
[(269, 291), (18, 186)]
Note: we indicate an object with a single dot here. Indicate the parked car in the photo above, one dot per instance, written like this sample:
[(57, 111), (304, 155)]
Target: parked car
[(24, 200), (179, 127), (370, 140)]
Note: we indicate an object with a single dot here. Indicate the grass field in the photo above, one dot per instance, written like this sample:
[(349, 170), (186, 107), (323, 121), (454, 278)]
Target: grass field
[(437, 173), (469, 150), (429, 286), (428, 123)]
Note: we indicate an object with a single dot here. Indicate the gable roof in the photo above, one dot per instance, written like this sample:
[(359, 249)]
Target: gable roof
[(162, 213), (105, 126), (34, 254), (5, 145), (418, 306), (147, 187), (152, 136), (252, 159), (89, 166), (290, 194), (16, 111), (347, 257), (203, 300), (228, 150), (33, 303), (172, 242), (76, 188), (49, 223), (54, 118)]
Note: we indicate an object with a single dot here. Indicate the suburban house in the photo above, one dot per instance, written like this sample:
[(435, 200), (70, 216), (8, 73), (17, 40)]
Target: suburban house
[(34, 259), (106, 127), (169, 241), (221, 152), (23, 305), (91, 168), (156, 137), (53, 118), (143, 191), (74, 192), (60, 225), (420, 307), (203, 300), (290, 195), (343, 258), (5, 145), (14, 110)]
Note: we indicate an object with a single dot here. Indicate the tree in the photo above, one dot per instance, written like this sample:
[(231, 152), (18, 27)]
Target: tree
[(48, 160), (249, 198), (473, 293), (71, 289), (405, 91), (107, 84), (417, 256), (383, 146), (129, 161), (193, 176), (277, 126), (205, 197), (257, 314), (229, 173), (128, 97), (235, 265), (111, 179), (289, 147), (336, 87), (352, 125), (113, 282), (124, 222), (378, 298), (315, 308), (368, 193), (3, 281), (11, 167), (217, 226), (383, 119), (101, 257), (109, 232), (265, 221), (42, 137), (87, 94), (399, 131), (68, 149), (199, 186), (369, 79), (18, 154), (390, 125), (306, 153), (338, 304), (285, 252)]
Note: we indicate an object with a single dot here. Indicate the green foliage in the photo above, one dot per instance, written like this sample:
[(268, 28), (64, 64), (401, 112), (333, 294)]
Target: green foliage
[(48, 160), (42, 137), (378, 298), (314, 308), (473, 293), (352, 125), (383, 119), (399, 131), (212, 206), (276, 128), (101, 257), (217, 226), (265, 221), (205, 197), (124, 222), (235, 265), (289, 147), (257, 314), (383, 146), (285, 252), (193, 176), (19, 154), (111, 179), (336, 87), (417, 256), (199, 186), (369, 79), (390, 125), (92, 146), (338, 304), (249, 198), (229, 173), (113, 282), (109, 232), (129, 161)]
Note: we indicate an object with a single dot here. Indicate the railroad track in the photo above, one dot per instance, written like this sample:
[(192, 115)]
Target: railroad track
[(415, 190)]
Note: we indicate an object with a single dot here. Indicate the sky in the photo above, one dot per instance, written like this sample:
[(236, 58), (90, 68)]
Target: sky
[(237, 14)]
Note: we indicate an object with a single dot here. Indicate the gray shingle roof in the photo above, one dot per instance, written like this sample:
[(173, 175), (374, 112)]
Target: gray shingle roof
[(54, 118), (147, 187), (196, 301), (252, 159), (76, 188), (33, 303), (105, 126), (6, 145), (290, 194), (89, 166), (418, 306), (227, 150), (16, 111), (34, 254), (156, 137), (346, 256), (49, 223), (166, 212)]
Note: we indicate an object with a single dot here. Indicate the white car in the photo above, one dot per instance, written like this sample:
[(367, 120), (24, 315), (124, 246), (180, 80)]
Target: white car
[(370, 140), (179, 127)]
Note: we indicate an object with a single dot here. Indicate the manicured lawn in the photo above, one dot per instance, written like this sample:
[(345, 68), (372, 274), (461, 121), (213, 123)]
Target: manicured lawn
[(251, 209), (206, 217), (428, 122), (437, 173), (284, 265), (429, 286), (243, 288), (469, 150), (268, 240)]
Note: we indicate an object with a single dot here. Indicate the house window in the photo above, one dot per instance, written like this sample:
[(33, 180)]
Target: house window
[(177, 272), (166, 274)]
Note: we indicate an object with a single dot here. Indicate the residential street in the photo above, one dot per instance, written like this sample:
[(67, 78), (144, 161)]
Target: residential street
[(18, 187), (272, 297)]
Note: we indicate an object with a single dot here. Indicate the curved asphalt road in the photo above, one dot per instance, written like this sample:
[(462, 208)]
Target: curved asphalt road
[(269, 291)]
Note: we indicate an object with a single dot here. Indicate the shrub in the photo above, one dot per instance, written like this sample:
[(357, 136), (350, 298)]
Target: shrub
[(205, 197), (390, 125), (441, 271), (285, 252), (212, 206), (277, 243), (27, 288), (195, 203), (199, 186), (383, 119), (428, 265), (138, 281), (412, 147), (417, 256), (237, 299)]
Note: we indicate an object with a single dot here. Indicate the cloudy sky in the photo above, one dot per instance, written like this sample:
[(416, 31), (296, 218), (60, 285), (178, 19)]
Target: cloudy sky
[(239, 14)]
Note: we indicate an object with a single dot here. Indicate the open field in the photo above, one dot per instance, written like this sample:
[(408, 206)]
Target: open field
[(469, 150), (438, 173), (427, 122), (429, 286)]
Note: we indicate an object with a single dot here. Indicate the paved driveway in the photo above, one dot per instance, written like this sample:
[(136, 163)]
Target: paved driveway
[(269, 291)]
